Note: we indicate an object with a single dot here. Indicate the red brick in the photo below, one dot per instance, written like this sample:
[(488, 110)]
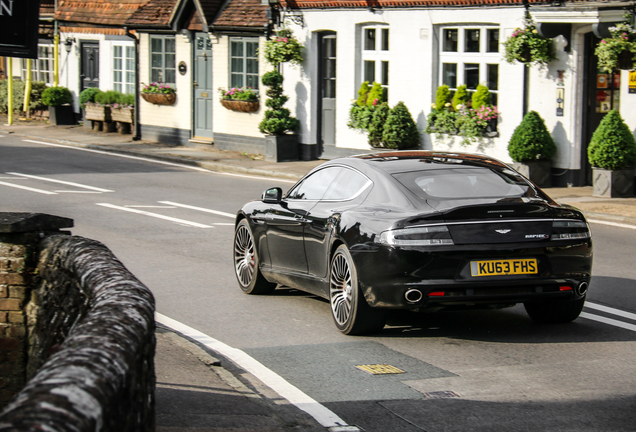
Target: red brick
[(4, 291), (11, 279), (15, 317), (4, 317), (16, 331), (10, 344), (18, 292), (10, 304)]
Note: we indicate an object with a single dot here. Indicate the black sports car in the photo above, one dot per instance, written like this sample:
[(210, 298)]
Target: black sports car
[(417, 230)]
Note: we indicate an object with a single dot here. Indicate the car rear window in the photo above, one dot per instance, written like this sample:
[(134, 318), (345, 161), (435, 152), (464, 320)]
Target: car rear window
[(465, 182)]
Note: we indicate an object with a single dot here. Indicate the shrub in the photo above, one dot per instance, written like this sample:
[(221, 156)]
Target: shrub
[(461, 96), (360, 116), (239, 93), (363, 93), (481, 97), (57, 96), (442, 97), (35, 101), (376, 125), (376, 95), (527, 46), (613, 146), (531, 140), (88, 95), (400, 131), (283, 48), (277, 120)]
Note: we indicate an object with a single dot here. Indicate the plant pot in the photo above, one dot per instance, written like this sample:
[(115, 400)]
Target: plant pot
[(124, 115), (61, 115), (625, 60), (613, 183), (98, 113), (239, 105), (538, 172), (160, 98), (281, 148), (526, 55)]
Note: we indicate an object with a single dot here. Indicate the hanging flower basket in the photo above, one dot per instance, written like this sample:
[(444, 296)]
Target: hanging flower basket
[(527, 46), (241, 106), (160, 98), (625, 60), (618, 51)]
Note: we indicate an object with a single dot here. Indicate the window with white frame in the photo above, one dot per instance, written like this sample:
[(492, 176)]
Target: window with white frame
[(469, 55), (42, 68), (163, 59), (124, 68), (375, 54), (244, 62)]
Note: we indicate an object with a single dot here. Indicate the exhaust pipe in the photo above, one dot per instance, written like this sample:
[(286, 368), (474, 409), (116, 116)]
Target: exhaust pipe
[(413, 295), (582, 288)]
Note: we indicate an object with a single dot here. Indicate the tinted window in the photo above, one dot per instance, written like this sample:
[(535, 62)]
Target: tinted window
[(315, 186), (347, 185), (464, 182)]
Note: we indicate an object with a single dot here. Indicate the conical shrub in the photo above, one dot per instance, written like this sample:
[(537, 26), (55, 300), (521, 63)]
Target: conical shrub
[(531, 140), (400, 131), (613, 146)]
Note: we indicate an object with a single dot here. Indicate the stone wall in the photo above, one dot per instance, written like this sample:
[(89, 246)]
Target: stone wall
[(85, 339)]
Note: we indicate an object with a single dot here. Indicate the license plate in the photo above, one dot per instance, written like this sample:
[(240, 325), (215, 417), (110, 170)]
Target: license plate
[(503, 267)]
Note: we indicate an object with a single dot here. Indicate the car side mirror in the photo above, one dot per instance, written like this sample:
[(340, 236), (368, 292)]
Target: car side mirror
[(272, 196)]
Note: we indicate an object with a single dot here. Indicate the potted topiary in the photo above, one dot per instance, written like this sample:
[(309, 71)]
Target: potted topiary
[(531, 147), (279, 145), (400, 131), (612, 154), (59, 100)]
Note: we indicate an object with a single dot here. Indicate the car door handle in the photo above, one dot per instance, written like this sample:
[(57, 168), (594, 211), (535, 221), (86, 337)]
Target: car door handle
[(299, 218)]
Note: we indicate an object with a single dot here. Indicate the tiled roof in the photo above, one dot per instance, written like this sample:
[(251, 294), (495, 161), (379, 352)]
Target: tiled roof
[(211, 9), (242, 14), (99, 12), (406, 3), (155, 13)]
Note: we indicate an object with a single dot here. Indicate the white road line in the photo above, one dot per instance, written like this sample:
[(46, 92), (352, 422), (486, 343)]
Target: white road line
[(178, 165), (609, 321), (77, 192), (93, 188), (614, 224), (320, 413), (610, 310), (220, 213), (28, 188), (223, 224), (156, 215)]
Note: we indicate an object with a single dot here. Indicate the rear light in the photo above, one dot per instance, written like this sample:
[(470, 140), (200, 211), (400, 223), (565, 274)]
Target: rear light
[(565, 288), (570, 230), (419, 236)]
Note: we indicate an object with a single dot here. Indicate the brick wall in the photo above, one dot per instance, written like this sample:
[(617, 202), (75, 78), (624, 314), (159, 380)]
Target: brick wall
[(80, 328)]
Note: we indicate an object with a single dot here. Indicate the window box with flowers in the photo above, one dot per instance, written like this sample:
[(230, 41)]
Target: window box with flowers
[(618, 51), (283, 48), (243, 99), (526, 45), (471, 120), (159, 94)]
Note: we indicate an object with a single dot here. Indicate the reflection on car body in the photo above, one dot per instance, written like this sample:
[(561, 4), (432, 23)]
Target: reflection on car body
[(416, 230)]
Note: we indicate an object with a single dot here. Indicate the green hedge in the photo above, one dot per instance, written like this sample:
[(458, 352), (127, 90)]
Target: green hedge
[(35, 101)]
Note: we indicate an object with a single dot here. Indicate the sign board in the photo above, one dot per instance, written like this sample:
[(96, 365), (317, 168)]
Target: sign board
[(560, 101), (632, 82), (19, 20)]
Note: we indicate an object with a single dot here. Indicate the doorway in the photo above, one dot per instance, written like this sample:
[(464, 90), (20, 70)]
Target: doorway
[(327, 89), (89, 65), (203, 93), (601, 94)]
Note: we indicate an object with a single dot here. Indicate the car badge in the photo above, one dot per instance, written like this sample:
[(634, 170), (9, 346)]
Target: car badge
[(503, 231)]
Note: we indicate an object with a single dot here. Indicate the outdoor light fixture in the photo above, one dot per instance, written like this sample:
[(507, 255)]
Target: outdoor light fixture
[(68, 44)]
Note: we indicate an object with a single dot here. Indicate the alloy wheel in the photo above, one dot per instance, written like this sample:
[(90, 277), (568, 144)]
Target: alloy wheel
[(244, 259), (341, 289)]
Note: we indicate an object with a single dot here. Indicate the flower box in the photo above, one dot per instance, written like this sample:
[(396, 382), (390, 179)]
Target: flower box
[(613, 183), (98, 113), (241, 106), (160, 98), (124, 115), (281, 148), (61, 115)]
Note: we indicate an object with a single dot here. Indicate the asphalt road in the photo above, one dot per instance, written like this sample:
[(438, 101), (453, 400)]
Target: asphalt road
[(478, 371)]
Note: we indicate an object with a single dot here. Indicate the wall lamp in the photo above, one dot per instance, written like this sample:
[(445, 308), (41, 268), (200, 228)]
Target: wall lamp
[(68, 44)]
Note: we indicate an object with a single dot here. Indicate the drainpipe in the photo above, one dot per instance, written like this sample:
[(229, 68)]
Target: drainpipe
[(137, 135), (56, 52), (526, 69), (10, 91)]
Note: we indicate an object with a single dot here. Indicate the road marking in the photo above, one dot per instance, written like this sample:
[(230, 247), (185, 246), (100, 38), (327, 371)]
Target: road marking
[(614, 224), (139, 158), (295, 396), (609, 321), (220, 213), (610, 310), (156, 215), (77, 192), (79, 185), (28, 188)]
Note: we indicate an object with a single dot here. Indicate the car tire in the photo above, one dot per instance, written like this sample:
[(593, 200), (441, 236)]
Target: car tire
[(351, 313), (552, 312), (246, 262)]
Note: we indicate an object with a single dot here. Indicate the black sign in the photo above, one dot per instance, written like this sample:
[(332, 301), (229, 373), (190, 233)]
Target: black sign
[(19, 21)]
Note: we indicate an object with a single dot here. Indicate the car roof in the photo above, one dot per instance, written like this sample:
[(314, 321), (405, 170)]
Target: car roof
[(417, 160)]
